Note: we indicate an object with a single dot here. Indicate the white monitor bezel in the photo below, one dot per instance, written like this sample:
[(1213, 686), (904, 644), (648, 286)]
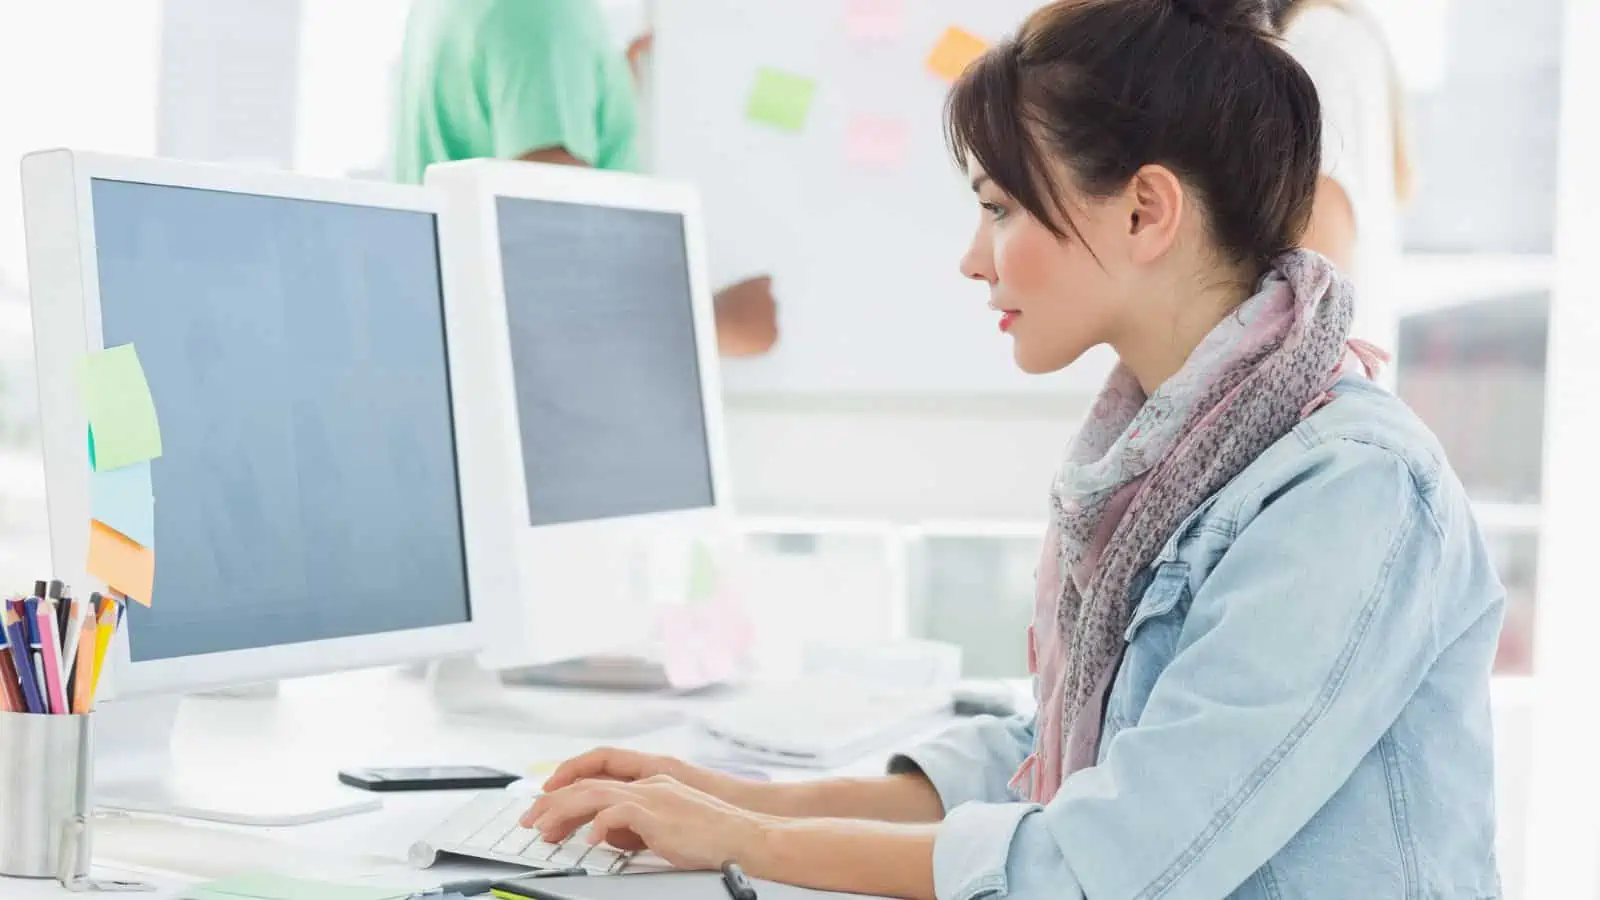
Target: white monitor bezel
[(64, 282), (550, 630), (471, 189)]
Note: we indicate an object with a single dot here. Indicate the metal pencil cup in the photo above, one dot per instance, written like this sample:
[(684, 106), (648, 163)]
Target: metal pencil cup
[(45, 773)]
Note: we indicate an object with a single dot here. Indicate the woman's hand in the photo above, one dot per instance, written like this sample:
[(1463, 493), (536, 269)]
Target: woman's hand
[(689, 828), (612, 764)]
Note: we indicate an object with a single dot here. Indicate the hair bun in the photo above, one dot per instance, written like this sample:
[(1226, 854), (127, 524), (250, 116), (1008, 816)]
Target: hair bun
[(1229, 15)]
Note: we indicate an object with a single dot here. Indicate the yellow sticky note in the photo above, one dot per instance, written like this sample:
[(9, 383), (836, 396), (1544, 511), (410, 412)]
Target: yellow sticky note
[(117, 399), (123, 565), (781, 99), (957, 49)]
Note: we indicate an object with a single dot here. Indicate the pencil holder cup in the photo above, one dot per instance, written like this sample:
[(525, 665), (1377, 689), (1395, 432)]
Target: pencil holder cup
[(45, 774)]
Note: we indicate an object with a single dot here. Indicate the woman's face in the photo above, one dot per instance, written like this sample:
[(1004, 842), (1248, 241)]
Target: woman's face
[(1055, 299)]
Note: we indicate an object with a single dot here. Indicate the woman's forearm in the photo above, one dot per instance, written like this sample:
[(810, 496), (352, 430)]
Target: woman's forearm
[(890, 798), (849, 856)]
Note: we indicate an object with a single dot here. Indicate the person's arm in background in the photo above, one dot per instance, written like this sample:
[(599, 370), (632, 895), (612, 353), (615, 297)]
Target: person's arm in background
[(1325, 39), (1332, 231), (545, 87)]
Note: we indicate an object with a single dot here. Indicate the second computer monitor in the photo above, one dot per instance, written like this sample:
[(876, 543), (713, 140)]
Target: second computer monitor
[(589, 299)]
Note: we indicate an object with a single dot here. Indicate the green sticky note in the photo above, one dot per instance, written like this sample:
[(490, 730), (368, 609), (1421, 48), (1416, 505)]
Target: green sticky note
[(121, 412), (702, 574), (781, 99), (277, 887)]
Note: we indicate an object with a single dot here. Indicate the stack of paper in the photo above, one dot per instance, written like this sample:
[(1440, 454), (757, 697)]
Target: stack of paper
[(124, 436), (277, 887)]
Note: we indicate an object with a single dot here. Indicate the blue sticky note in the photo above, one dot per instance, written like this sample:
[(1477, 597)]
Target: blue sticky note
[(125, 502)]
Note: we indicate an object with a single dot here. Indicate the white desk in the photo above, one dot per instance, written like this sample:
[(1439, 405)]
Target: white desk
[(314, 728)]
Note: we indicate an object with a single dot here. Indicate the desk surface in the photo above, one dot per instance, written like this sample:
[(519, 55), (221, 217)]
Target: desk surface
[(311, 730)]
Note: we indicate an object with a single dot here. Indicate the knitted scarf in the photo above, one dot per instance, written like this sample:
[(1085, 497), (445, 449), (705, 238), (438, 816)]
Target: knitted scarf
[(1141, 465)]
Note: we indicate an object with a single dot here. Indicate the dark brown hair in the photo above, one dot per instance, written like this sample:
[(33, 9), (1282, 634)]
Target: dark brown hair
[(1108, 86)]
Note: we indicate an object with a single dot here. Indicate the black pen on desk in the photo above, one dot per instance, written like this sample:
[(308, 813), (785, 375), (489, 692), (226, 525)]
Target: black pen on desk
[(475, 887), (61, 597), (739, 886)]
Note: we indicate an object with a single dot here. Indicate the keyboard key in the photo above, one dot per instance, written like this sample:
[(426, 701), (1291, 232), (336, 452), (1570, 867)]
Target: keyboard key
[(539, 854), (468, 820), (602, 860), (571, 853), (517, 842), (499, 825)]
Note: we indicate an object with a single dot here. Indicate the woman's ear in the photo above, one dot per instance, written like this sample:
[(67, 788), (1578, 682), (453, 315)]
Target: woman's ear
[(1156, 207)]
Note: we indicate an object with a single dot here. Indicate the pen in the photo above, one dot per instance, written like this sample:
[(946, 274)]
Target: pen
[(17, 633), (83, 670), (50, 658), (69, 643), (58, 594), (102, 640), (30, 625), (733, 878), (476, 887), (10, 689)]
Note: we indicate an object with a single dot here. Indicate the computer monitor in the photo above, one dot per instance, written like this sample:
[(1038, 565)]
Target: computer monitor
[(315, 509), (586, 300)]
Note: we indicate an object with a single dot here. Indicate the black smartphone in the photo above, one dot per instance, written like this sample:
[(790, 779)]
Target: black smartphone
[(428, 778)]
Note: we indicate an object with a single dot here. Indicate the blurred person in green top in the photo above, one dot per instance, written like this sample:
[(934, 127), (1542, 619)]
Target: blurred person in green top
[(537, 80)]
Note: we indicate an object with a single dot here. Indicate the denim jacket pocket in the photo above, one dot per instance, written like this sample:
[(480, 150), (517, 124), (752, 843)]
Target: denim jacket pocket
[(1152, 639)]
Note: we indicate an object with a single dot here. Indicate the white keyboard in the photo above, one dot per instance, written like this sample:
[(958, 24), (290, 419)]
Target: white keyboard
[(487, 828)]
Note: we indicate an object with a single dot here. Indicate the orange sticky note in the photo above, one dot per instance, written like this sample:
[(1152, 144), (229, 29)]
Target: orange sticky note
[(957, 49), (120, 563)]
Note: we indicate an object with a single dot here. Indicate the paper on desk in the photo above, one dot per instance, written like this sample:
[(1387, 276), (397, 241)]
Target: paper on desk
[(781, 99), (123, 499), (116, 399), (278, 887), (122, 564), (875, 19), (957, 49)]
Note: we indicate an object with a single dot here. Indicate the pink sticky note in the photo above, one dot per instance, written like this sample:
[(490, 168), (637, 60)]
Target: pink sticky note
[(866, 20), (699, 648), (876, 143)]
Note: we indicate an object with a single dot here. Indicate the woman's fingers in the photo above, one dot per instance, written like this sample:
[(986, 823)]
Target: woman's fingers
[(558, 815), (626, 826), (606, 762)]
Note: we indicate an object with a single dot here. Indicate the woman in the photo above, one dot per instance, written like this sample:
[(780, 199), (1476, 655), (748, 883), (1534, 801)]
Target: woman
[(1265, 616), (1366, 164)]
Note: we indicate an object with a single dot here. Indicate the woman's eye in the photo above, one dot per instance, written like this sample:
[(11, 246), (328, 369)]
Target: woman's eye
[(994, 209)]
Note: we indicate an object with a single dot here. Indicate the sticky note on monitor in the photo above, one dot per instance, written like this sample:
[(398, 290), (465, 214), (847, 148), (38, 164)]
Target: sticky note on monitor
[(117, 399), (696, 652), (122, 564), (956, 50), (868, 20), (873, 143), (123, 499), (781, 100)]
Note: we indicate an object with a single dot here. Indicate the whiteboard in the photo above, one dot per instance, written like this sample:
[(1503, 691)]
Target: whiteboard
[(865, 258)]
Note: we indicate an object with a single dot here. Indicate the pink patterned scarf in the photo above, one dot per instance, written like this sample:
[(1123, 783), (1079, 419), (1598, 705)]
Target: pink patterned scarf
[(1139, 467)]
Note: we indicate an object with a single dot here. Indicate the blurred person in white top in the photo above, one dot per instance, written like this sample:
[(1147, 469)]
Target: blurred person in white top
[(1366, 166)]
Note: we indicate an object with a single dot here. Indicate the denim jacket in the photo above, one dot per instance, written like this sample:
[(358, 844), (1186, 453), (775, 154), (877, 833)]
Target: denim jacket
[(1302, 710)]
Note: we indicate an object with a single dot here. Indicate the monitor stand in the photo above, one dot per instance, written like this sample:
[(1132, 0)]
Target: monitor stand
[(134, 772), (464, 690)]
